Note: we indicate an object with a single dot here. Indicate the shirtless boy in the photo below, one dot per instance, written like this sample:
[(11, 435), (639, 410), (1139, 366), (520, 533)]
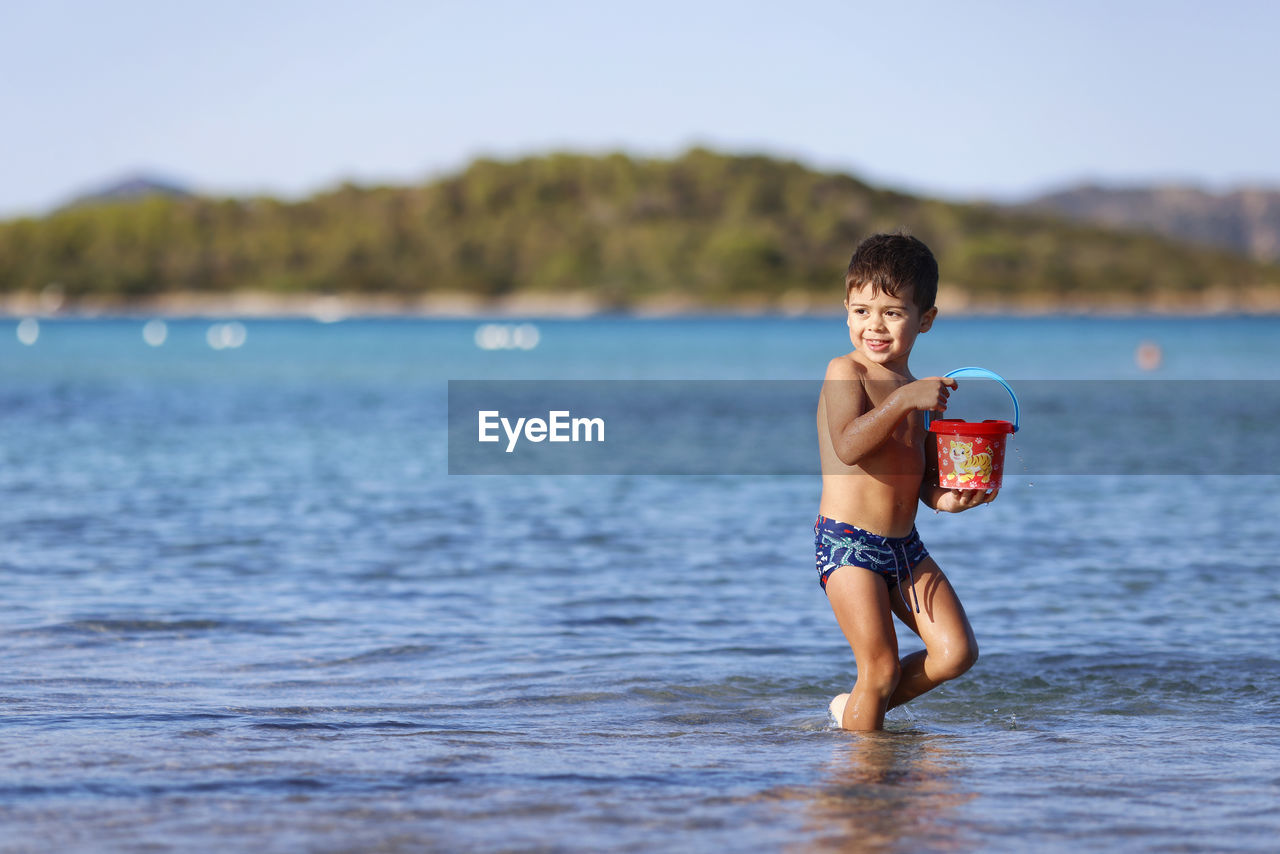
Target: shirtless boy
[(871, 437)]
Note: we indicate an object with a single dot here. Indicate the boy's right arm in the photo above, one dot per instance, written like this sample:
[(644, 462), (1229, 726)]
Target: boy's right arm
[(857, 428)]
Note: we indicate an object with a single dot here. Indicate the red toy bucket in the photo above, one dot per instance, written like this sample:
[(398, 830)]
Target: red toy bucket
[(971, 453)]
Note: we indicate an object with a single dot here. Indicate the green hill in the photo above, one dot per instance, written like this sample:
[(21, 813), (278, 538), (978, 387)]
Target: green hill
[(705, 228)]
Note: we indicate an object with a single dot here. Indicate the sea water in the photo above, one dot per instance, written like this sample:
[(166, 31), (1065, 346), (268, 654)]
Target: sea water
[(246, 607)]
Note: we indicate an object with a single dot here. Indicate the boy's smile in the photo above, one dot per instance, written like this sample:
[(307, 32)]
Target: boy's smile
[(883, 328)]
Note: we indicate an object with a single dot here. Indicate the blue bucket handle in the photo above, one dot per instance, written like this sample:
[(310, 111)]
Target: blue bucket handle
[(985, 374)]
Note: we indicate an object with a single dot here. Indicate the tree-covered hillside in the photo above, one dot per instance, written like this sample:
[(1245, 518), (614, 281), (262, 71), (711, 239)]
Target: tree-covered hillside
[(710, 228)]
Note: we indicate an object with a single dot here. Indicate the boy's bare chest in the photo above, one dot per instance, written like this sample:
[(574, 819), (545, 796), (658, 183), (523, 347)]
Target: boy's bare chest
[(909, 434)]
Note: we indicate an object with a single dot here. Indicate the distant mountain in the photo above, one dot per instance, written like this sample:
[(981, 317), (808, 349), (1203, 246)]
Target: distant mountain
[(130, 188), (700, 230), (1246, 220)]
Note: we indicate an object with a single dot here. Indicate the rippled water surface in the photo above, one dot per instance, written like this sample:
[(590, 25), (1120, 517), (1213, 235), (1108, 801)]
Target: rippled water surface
[(247, 609)]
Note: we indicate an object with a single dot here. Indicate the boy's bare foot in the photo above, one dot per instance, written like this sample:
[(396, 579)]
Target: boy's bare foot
[(837, 707)]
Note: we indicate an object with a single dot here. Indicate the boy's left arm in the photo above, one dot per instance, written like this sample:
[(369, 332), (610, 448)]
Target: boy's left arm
[(955, 500), (948, 500)]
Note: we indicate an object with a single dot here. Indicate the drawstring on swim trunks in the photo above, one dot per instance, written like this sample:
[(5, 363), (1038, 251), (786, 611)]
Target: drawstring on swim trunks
[(893, 550)]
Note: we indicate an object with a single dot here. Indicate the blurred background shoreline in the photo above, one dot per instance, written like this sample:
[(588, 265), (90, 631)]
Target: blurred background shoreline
[(330, 309), (574, 235)]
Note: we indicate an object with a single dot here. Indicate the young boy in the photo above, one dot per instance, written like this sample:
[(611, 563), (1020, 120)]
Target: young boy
[(871, 438)]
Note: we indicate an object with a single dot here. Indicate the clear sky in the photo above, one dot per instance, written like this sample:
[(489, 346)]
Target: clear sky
[(960, 99)]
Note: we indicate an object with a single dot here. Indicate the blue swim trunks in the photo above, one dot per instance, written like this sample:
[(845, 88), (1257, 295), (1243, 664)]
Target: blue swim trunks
[(841, 544)]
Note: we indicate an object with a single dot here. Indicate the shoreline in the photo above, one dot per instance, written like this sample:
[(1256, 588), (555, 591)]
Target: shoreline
[(335, 307)]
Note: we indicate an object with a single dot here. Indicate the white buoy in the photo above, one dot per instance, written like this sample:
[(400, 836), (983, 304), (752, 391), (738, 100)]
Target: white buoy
[(226, 336), (28, 330), (525, 336), (155, 332), (506, 336)]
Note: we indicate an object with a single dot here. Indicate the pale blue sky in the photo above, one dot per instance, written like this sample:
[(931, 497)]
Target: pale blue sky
[(973, 99)]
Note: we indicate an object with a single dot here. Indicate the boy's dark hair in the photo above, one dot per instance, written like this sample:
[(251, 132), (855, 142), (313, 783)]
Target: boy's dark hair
[(891, 262)]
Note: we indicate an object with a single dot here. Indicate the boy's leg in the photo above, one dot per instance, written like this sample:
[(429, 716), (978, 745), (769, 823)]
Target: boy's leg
[(860, 600), (950, 647)]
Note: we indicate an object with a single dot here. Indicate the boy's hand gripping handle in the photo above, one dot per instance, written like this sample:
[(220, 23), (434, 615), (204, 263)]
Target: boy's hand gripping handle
[(985, 374)]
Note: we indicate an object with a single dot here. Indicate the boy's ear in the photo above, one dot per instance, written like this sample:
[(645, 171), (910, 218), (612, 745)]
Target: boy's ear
[(926, 319)]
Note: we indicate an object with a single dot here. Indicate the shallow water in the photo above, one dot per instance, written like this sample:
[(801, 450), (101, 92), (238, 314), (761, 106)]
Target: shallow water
[(247, 609)]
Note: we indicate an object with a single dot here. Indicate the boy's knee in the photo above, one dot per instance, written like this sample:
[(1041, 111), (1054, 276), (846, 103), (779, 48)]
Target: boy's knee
[(956, 660), (880, 675)]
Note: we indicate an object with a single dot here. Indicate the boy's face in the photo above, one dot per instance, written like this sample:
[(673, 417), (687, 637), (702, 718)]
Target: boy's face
[(883, 328)]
